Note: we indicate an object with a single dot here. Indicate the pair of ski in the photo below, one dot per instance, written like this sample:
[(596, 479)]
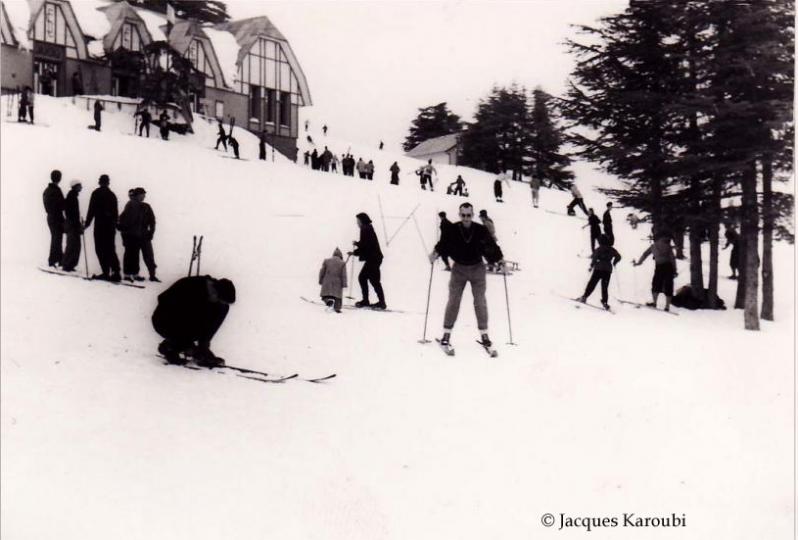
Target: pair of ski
[(255, 375), (354, 308), (449, 350), (638, 305), (76, 275), (578, 303)]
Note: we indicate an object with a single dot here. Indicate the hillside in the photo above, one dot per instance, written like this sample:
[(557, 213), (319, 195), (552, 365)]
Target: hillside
[(590, 414)]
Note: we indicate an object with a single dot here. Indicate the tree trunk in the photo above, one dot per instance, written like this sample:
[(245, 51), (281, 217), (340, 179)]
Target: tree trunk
[(767, 237), (696, 234), (714, 234), (739, 300), (750, 232)]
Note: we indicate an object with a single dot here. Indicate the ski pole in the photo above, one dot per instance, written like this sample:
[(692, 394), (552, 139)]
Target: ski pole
[(199, 254), (193, 254), (351, 280), (507, 300), (85, 257), (426, 311)]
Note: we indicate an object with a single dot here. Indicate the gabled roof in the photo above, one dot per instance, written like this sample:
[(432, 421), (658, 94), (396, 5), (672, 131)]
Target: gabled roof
[(183, 32), (117, 13), (436, 145), (36, 7), (6, 31)]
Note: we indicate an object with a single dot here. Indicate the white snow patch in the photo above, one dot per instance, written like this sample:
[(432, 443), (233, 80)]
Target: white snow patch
[(226, 47), (153, 21), (18, 12), (93, 22)]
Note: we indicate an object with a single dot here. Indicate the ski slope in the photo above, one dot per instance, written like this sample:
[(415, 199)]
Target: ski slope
[(590, 414)]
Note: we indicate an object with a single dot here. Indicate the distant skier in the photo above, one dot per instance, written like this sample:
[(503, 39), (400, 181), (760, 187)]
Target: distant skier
[(395, 173), (497, 186), (324, 129), (595, 228), (98, 115), (189, 314), (370, 170), (361, 168), (314, 160), (534, 184), (467, 243), (307, 157), (307, 124), (53, 199), (426, 172), (163, 124), (233, 144), (149, 232), (382, 145), (445, 224), (131, 226), (332, 278), (326, 159), (334, 163), (664, 268), (104, 211), (602, 261), (72, 227), (733, 240), (367, 249), (262, 146), (26, 102), (458, 186), (222, 136), (607, 222), (146, 120), (578, 201)]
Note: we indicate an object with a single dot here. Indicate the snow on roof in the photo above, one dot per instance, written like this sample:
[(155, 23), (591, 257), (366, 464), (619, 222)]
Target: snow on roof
[(436, 145), (154, 22), (92, 22), (95, 48), (19, 18), (226, 47)]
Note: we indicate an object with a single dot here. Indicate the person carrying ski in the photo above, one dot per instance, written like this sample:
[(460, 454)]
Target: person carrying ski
[(595, 229), (534, 184), (459, 184), (53, 199), (578, 201), (222, 138), (149, 231), (104, 212), (664, 268), (188, 315), (98, 115), (467, 243), (445, 224), (607, 222), (72, 227), (367, 249), (733, 240), (602, 261), (233, 144), (131, 226), (332, 278), (395, 173)]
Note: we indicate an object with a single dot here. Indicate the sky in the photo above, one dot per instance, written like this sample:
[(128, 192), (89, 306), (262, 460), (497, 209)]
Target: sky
[(371, 65)]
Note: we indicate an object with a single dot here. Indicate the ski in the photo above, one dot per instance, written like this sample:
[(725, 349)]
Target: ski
[(350, 307), (321, 379), (578, 303), (493, 353), (564, 214), (638, 305), (252, 374), (445, 348), (263, 380), (75, 275)]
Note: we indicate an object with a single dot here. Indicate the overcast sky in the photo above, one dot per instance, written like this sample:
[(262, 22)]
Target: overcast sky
[(370, 65)]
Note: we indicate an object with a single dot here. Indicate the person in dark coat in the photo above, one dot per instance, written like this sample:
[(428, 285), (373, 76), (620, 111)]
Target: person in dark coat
[(314, 160), (72, 227), (98, 115), (445, 224), (595, 228), (332, 278), (607, 222), (149, 231), (53, 199), (222, 138), (131, 226), (733, 240), (367, 249), (602, 261), (104, 212), (77, 84), (146, 120), (189, 314), (459, 184), (395, 173), (467, 243), (163, 124), (234, 145), (22, 111), (324, 129), (326, 159), (307, 157), (382, 145), (262, 146)]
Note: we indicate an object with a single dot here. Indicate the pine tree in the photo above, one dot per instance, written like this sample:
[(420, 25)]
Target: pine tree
[(433, 121), (546, 160)]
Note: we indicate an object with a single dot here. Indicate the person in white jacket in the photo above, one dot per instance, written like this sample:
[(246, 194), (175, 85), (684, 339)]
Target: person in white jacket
[(578, 201)]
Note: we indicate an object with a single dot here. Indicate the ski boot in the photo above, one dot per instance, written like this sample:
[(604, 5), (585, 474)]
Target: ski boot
[(379, 306), (605, 305), (171, 353), (362, 304), (203, 357)]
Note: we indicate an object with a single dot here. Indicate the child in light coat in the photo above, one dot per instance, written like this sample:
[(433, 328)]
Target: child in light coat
[(332, 278)]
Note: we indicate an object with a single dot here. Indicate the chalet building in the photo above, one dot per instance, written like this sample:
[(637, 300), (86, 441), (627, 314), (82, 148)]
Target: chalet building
[(244, 69), (443, 149)]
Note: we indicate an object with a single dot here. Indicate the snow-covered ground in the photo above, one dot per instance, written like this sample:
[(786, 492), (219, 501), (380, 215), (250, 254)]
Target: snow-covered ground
[(590, 415)]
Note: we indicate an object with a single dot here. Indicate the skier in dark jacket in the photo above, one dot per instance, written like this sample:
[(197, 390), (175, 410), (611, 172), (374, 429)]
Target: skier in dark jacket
[(367, 249), (104, 211), (595, 228), (98, 115), (445, 224), (72, 227), (53, 199), (233, 144), (146, 120), (222, 138), (149, 231), (607, 222), (394, 173), (131, 226), (188, 315), (467, 243), (459, 184), (603, 260), (163, 124), (262, 146)]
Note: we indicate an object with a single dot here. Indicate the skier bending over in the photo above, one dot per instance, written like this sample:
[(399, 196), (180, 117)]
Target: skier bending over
[(603, 260), (332, 278), (664, 269), (188, 315), (467, 243)]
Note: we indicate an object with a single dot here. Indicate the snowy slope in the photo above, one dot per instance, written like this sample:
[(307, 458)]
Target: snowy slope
[(591, 414)]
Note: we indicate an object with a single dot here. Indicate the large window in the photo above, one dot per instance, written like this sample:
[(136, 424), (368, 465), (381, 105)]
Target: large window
[(285, 109), (51, 26), (201, 61)]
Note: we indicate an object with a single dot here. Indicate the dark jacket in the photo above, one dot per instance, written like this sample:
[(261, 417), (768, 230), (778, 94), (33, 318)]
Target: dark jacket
[(604, 258), (595, 224), (149, 221), (468, 246), (53, 199), (98, 109), (131, 221), (187, 308), (72, 208), (607, 220), (368, 247), (445, 224), (103, 207)]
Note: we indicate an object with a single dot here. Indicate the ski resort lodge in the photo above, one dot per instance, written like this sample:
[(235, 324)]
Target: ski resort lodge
[(443, 149), (243, 69)]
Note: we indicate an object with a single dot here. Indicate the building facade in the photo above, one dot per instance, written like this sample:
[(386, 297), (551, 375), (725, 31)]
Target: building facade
[(444, 149), (244, 71)]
